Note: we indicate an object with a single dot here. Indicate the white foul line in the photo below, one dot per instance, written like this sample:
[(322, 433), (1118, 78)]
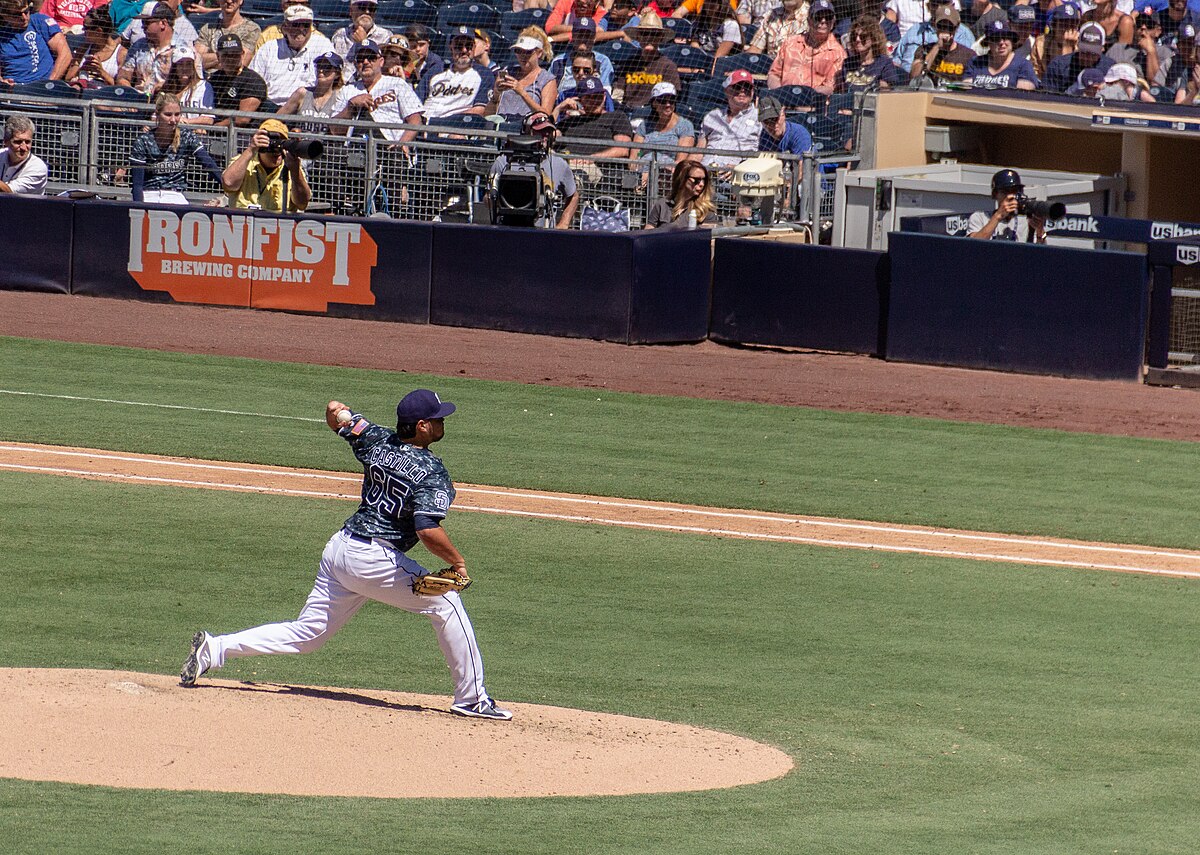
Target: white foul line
[(814, 541), (160, 406)]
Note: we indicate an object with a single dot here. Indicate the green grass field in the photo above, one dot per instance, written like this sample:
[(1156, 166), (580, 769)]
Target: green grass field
[(931, 705)]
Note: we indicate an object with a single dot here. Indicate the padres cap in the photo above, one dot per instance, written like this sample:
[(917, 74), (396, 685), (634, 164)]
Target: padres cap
[(422, 404)]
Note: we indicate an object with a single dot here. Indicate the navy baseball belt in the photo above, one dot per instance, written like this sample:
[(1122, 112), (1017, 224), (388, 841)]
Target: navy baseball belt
[(362, 538)]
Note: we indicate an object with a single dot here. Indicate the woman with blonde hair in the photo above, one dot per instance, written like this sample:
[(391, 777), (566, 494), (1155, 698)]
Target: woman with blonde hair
[(160, 156), (526, 87), (691, 202)]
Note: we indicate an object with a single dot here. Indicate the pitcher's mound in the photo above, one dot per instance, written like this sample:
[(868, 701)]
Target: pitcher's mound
[(123, 729)]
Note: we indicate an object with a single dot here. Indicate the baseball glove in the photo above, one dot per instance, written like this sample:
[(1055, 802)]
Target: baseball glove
[(441, 582)]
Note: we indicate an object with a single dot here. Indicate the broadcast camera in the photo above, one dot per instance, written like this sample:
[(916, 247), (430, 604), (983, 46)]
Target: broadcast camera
[(303, 149), (521, 195), (1039, 208)]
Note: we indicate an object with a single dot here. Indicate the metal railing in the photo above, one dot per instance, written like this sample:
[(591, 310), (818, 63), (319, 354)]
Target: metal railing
[(437, 176)]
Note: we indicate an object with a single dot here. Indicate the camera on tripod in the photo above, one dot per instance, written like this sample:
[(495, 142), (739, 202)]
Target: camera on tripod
[(303, 149), (1039, 208), (520, 195)]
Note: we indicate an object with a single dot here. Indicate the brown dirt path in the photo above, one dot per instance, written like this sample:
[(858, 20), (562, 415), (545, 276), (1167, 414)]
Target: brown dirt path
[(830, 381)]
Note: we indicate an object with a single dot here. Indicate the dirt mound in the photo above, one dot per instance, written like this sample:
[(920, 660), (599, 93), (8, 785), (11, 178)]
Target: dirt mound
[(123, 729)]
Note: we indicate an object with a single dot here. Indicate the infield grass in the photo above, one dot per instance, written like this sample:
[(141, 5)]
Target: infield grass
[(931, 705)]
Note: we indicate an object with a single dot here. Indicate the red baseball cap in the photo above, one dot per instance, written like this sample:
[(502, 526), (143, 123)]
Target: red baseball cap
[(736, 77)]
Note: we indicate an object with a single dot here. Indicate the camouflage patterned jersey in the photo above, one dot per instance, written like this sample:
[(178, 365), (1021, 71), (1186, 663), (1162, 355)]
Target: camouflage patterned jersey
[(405, 488)]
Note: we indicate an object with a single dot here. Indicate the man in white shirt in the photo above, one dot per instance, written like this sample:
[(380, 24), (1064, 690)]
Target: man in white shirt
[(387, 99), (735, 128), (288, 63), (464, 87), (21, 171), (362, 26)]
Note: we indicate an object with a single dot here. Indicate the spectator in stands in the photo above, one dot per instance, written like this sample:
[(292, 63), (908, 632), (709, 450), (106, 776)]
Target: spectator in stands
[(235, 87), (1063, 70), (398, 57), (286, 64), (32, 47), (21, 171), (182, 29), (1087, 84), (868, 65), (947, 58), (1184, 70), (1151, 59), (734, 127), (781, 23), (924, 33), (663, 126), (557, 171), (149, 59), (1117, 26), (908, 13), (757, 12), (231, 22), (780, 135), (387, 100), (362, 26), (611, 131), (813, 59), (583, 64), (1175, 16), (1023, 22), (160, 156), (560, 22), (256, 179), (423, 62), (691, 200), (188, 87), (715, 29), (1060, 39), (525, 87), (621, 16), (662, 8), (98, 58), (483, 52), (1004, 223), (583, 41), (320, 98), (464, 87), (985, 11), (1121, 83), (638, 78), (1001, 68), (68, 14), (275, 31)]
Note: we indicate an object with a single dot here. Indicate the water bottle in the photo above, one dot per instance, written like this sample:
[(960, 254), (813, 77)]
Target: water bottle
[(691, 220)]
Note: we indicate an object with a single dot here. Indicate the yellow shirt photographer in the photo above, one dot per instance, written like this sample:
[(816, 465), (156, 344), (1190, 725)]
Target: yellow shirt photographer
[(255, 180)]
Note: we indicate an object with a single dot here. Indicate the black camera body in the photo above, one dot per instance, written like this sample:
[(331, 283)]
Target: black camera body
[(1040, 209), (525, 149), (303, 149)]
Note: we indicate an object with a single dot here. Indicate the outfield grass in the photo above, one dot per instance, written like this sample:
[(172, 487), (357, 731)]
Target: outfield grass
[(931, 705), (789, 459)]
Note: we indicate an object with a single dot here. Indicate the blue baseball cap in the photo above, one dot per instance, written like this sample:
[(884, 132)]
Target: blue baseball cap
[(584, 24), (999, 29), (1022, 14), (422, 404), (589, 86), (1065, 12), (820, 6)]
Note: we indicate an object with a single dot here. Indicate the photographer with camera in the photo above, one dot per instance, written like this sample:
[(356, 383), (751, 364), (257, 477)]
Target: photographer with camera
[(557, 197), (259, 178), (1017, 217)]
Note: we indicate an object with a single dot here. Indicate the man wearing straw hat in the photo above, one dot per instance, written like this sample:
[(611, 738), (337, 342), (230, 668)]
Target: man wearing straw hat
[(649, 67)]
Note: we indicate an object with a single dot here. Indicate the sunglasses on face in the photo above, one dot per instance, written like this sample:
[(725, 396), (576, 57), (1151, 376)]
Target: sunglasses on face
[(461, 45), (697, 179), (825, 18), (665, 99), (522, 53), (581, 70), (742, 87), (325, 69), (367, 57), (859, 37)]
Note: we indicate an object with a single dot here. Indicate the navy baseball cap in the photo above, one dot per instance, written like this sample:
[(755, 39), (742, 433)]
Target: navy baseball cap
[(820, 6), (1065, 12), (1091, 77), (589, 86), (999, 29), (461, 33), (1187, 32), (582, 24), (331, 58), (1022, 14), (422, 404)]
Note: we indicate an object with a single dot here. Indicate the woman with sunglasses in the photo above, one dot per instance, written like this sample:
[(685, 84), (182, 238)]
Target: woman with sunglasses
[(526, 87), (98, 59), (691, 200), (318, 100), (1001, 68), (867, 65), (663, 127)]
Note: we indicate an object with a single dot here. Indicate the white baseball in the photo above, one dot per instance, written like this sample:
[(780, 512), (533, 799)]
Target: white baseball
[(343, 417)]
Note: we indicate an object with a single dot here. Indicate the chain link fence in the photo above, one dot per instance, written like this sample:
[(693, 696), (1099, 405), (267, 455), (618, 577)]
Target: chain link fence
[(441, 175)]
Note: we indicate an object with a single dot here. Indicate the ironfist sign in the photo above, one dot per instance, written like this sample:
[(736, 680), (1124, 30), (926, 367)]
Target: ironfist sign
[(241, 260)]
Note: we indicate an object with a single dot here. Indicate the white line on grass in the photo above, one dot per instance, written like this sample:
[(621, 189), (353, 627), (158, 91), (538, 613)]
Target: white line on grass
[(160, 406)]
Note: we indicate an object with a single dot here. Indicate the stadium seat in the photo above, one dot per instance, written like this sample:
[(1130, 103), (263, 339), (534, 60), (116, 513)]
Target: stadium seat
[(400, 13), (46, 89), (464, 123), (680, 29), (801, 97), (514, 22), (619, 51), (757, 64), (115, 93), (259, 9), (468, 15), (688, 59), (331, 10)]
